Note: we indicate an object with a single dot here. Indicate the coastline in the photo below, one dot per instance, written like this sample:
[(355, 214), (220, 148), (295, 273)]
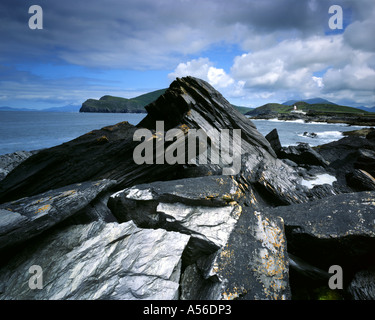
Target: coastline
[(334, 118)]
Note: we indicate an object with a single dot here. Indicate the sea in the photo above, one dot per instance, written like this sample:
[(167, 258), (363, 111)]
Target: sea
[(34, 130)]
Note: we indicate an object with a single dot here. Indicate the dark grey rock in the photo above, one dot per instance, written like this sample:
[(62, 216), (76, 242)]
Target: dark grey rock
[(337, 230), (25, 218), (302, 154), (273, 139)]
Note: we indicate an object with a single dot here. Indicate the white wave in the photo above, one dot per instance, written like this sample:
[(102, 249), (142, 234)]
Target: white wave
[(330, 135), (292, 121), (319, 180)]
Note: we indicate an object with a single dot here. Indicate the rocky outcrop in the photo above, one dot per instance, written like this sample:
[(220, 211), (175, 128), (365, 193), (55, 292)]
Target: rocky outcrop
[(98, 261), (100, 225)]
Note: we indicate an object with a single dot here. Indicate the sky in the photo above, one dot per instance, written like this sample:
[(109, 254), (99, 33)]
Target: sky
[(252, 51)]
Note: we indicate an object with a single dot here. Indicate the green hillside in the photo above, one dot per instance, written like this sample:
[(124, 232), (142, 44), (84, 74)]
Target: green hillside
[(110, 104), (243, 110), (306, 107)]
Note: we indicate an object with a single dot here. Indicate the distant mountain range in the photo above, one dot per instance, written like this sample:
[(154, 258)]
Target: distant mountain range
[(309, 101), (67, 108), (367, 109)]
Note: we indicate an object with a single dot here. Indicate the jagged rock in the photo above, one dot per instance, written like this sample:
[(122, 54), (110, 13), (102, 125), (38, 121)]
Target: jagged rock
[(273, 139), (302, 154), (362, 287), (11, 160), (361, 180), (25, 218), (98, 261)]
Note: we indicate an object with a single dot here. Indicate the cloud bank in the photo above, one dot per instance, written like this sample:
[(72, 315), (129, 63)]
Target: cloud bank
[(285, 49)]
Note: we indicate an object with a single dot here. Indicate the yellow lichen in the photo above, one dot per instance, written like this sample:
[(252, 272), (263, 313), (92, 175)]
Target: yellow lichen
[(44, 208)]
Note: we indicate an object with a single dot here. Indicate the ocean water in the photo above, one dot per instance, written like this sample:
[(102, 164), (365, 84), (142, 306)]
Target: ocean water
[(36, 130)]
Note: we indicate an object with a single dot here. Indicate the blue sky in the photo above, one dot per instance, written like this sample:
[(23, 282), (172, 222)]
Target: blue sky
[(252, 51)]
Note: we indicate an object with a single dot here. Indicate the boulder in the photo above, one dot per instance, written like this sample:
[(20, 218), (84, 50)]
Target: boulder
[(302, 154), (273, 139), (337, 230), (234, 252), (26, 218), (98, 261)]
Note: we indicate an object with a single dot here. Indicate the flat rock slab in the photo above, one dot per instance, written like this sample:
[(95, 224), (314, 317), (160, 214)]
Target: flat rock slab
[(205, 208), (338, 216), (98, 261), (23, 219)]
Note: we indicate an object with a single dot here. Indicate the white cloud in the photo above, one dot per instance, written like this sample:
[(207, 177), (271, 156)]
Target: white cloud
[(203, 68)]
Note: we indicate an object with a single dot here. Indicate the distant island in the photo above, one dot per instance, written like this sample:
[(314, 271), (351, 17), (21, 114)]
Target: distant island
[(319, 110), (111, 104)]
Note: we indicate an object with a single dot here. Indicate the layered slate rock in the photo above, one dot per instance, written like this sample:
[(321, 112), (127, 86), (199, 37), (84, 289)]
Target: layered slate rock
[(234, 251), (205, 208), (25, 218), (98, 261), (197, 104)]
